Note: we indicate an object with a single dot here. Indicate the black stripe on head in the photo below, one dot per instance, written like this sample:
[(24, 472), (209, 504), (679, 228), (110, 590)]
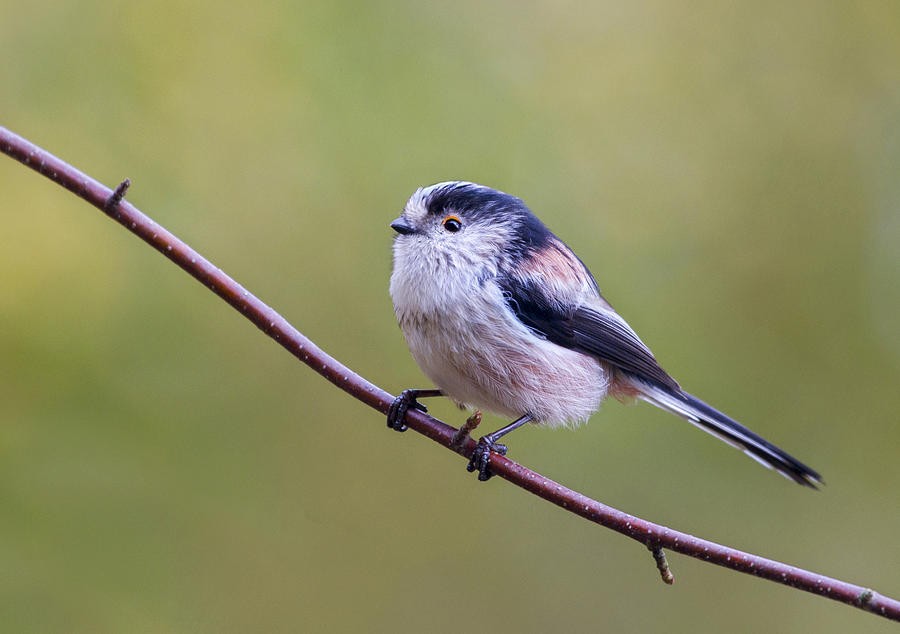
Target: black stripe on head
[(477, 203)]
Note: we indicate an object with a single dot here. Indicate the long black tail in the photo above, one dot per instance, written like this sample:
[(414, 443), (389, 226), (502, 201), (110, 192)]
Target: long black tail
[(726, 428)]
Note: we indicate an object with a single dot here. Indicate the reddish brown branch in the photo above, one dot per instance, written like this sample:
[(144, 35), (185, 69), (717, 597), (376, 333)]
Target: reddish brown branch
[(654, 536)]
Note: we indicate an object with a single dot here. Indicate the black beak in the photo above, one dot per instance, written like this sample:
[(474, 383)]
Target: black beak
[(402, 227)]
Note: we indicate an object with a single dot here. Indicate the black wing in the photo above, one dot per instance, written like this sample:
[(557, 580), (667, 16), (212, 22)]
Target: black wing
[(595, 331), (598, 331)]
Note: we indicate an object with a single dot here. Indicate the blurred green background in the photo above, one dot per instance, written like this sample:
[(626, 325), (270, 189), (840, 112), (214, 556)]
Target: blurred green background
[(729, 172)]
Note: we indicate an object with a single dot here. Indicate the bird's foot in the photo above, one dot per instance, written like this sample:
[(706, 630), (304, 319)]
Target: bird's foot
[(481, 457), (407, 398)]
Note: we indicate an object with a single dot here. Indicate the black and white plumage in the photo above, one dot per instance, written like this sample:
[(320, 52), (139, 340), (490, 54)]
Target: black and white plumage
[(504, 317)]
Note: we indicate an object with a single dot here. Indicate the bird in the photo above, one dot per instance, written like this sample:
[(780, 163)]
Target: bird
[(503, 316)]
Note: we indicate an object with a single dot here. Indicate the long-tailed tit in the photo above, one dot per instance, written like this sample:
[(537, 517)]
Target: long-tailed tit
[(504, 317)]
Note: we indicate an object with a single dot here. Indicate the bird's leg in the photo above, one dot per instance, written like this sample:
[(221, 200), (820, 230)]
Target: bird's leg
[(397, 411), (481, 457)]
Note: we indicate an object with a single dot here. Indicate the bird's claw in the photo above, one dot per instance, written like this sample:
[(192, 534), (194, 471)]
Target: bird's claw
[(397, 411), (481, 457)]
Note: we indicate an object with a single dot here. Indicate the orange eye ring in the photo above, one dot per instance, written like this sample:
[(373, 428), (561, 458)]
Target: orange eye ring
[(452, 223)]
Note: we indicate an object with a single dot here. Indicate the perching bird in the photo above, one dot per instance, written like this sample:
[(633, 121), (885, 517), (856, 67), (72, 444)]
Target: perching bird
[(504, 317)]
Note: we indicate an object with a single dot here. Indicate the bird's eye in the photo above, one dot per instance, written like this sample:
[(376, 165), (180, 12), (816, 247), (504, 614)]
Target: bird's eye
[(452, 224)]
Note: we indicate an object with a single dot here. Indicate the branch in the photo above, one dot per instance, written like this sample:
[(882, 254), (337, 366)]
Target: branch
[(653, 536)]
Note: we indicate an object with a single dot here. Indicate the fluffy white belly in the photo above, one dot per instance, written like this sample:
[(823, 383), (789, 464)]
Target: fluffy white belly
[(489, 360)]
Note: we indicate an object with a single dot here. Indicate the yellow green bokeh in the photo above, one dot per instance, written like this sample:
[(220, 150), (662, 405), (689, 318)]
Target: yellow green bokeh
[(729, 171)]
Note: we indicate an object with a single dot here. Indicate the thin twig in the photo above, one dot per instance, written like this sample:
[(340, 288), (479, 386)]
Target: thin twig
[(462, 434), (662, 564), (266, 319), (113, 201)]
